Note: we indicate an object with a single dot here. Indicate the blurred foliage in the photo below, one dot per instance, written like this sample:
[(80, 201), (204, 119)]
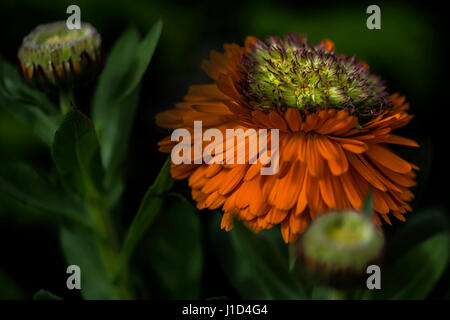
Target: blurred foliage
[(168, 248), (45, 295), (177, 261), (415, 274), (80, 192), (257, 265), (258, 269)]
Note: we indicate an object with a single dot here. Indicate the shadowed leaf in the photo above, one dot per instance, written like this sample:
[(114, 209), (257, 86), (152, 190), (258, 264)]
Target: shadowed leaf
[(148, 210), (174, 248), (76, 154), (29, 105), (116, 97), (414, 275), (22, 183), (45, 295), (255, 265), (81, 250)]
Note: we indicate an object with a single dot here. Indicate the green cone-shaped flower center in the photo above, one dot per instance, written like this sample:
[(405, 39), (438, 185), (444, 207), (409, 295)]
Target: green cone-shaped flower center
[(348, 231), (293, 73), (342, 240), (59, 35)]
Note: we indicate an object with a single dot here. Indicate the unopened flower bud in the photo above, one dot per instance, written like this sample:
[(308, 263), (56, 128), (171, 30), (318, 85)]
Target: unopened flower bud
[(53, 56), (340, 245)]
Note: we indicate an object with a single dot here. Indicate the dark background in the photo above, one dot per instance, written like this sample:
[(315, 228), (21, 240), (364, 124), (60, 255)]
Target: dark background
[(409, 52)]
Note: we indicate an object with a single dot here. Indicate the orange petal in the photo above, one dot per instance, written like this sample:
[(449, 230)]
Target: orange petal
[(328, 149), (293, 119), (314, 160), (285, 191), (351, 145), (388, 159), (277, 121), (339, 165), (302, 200), (365, 173), (227, 221)]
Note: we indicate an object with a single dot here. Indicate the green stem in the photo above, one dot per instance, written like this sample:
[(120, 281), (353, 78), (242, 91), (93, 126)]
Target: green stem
[(292, 256), (108, 244), (65, 100), (338, 294)]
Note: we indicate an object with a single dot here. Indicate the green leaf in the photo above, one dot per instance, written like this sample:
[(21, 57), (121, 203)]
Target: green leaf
[(45, 295), (116, 96), (29, 105), (113, 78), (9, 288), (115, 136), (418, 227), (292, 256), (174, 248), (82, 250), (22, 183), (143, 57), (148, 210), (76, 153), (321, 292), (112, 115), (367, 208), (256, 265), (414, 275)]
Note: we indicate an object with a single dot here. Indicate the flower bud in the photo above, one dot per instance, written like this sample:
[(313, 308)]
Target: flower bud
[(340, 245), (53, 56)]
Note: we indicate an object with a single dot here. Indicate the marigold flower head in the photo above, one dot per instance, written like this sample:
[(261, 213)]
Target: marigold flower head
[(54, 56), (334, 118)]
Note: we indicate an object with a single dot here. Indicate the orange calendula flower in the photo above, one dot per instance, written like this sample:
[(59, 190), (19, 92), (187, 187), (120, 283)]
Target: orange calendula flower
[(334, 117)]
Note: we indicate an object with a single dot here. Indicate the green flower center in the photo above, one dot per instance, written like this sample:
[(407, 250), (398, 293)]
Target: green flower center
[(59, 35), (348, 231), (293, 73), (55, 44)]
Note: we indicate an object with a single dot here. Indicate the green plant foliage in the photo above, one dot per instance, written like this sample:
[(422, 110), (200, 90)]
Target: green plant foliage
[(419, 227), (10, 289), (81, 250), (76, 153), (256, 266), (414, 274), (148, 210), (115, 99), (45, 295), (29, 105), (22, 183), (115, 136), (113, 77), (89, 168), (177, 260), (367, 208)]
